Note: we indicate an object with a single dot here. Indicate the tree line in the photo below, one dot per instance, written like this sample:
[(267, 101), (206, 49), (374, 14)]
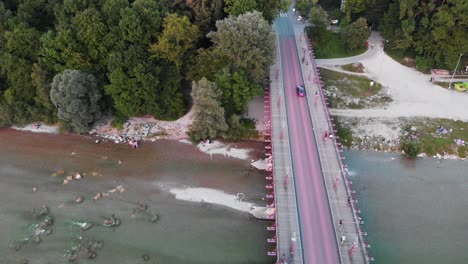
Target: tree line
[(73, 61), (434, 30)]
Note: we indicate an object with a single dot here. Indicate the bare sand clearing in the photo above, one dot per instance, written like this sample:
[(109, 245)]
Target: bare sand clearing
[(412, 93)]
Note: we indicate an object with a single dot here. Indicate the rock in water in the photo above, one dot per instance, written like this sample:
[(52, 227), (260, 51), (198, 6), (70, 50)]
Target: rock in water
[(37, 239)]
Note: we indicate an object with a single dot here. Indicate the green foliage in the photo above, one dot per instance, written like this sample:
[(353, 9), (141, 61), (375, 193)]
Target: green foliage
[(208, 119), (179, 35), (423, 64), (76, 96), (344, 134), (356, 6), (328, 44), (239, 7), (411, 148), (208, 63), (462, 151), (356, 34), (318, 17), (241, 129), (119, 121), (436, 30), (237, 91), (304, 6), (248, 40)]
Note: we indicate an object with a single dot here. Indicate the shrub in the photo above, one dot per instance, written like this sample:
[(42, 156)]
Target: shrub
[(423, 64), (462, 151), (411, 148)]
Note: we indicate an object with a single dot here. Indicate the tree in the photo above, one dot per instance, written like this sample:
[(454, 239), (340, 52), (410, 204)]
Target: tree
[(356, 6), (208, 119), (179, 35), (239, 7), (208, 63), (436, 30), (319, 17), (76, 96), (237, 91), (248, 40), (356, 34), (304, 6), (90, 31)]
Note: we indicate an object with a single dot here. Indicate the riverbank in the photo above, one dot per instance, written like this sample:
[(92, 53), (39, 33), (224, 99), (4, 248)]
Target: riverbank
[(417, 109)]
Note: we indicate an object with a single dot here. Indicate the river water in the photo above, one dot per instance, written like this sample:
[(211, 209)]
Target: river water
[(415, 211), (185, 233)]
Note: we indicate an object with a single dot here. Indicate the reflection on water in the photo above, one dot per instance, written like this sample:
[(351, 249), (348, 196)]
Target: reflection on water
[(189, 233), (415, 211)]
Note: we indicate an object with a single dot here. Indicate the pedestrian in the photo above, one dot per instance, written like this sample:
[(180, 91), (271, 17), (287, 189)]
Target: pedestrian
[(372, 46), (303, 59), (307, 62), (343, 239), (340, 224), (430, 80), (316, 96), (349, 201)]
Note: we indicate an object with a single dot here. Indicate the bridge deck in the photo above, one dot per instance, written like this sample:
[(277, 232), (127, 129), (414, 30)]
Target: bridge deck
[(337, 191)]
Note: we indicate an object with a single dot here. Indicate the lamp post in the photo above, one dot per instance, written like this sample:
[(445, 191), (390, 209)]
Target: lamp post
[(451, 80)]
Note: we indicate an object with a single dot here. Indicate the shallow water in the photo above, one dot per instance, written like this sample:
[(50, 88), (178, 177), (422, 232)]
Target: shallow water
[(415, 211), (186, 232)]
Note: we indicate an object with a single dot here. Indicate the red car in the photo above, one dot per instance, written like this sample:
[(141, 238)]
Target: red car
[(300, 91)]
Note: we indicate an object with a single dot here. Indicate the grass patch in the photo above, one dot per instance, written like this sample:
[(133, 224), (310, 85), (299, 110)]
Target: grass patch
[(344, 133), (331, 46), (405, 57), (354, 67), (352, 91), (436, 143), (442, 84)]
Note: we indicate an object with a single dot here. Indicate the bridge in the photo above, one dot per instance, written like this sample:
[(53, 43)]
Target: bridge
[(316, 218)]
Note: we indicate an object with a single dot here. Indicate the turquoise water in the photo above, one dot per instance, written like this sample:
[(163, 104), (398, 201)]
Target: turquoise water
[(415, 211)]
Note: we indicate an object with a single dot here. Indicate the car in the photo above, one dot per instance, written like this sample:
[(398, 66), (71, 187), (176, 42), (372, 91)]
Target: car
[(300, 91)]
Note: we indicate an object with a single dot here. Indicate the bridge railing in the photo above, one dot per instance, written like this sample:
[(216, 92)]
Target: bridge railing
[(338, 149)]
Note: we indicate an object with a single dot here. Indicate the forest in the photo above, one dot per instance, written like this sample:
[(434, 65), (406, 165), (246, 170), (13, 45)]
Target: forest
[(72, 61), (433, 32)]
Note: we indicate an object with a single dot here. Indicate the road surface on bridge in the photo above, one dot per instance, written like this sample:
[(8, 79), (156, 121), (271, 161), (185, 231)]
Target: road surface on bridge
[(317, 232)]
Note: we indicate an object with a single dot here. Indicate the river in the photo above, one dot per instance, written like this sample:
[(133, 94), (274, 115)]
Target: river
[(185, 233), (415, 211)]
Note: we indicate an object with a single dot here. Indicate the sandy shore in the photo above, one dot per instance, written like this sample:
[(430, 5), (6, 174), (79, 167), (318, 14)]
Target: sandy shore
[(212, 196)]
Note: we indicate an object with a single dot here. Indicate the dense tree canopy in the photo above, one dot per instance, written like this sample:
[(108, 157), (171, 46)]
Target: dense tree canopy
[(143, 56), (436, 30), (76, 96), (248, 40), (179, 35)]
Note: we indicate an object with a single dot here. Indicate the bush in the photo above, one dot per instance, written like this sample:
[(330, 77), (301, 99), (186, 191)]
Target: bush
[(241, 129), (119, 121), (411, 148), (462, 151), (345, 135), (423, 64)]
